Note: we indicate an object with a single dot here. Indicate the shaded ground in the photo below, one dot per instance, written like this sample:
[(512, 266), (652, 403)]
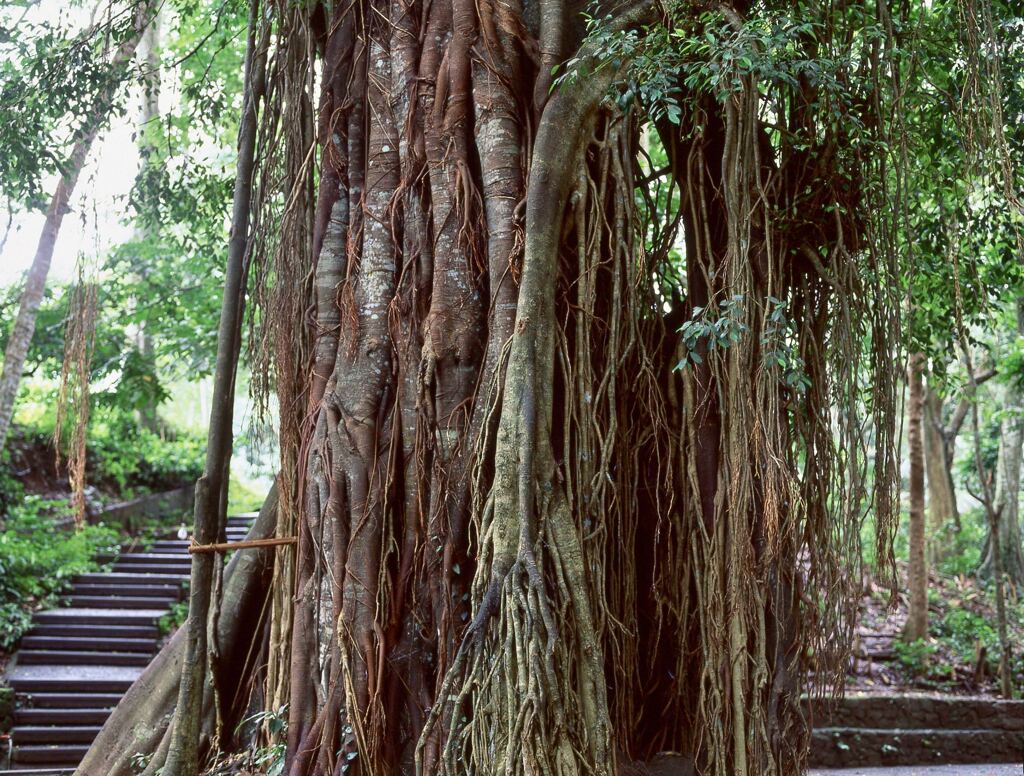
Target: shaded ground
[(960, 657), (928, 770)]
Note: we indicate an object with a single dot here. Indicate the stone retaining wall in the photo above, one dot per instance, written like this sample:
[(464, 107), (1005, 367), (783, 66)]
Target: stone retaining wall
[(920, 711)]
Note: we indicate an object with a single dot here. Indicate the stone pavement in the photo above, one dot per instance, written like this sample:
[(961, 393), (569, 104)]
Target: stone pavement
[(928, 770)]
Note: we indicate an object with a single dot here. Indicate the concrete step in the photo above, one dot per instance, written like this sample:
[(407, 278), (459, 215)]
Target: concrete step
[(147, 558), (39, 717), (47, 657), (43, 734), (131, 578), (49, 754), (65, 643), (174, 546), (102, 633), (136, 589), (71, 700), (122, 602), (99, 616), (93, 686), (153, 568), (874, 747)]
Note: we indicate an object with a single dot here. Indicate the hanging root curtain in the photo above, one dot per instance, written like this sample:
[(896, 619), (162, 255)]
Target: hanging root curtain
[(576, 379)]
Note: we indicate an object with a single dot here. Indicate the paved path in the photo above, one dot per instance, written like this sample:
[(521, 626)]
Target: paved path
[(928, 770)]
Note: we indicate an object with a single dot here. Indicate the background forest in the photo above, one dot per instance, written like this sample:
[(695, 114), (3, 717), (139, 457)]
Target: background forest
[(121, 177)]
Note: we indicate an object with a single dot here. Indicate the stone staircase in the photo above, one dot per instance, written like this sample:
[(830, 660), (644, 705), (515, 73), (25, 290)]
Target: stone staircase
[(75, 663), (878, 730)]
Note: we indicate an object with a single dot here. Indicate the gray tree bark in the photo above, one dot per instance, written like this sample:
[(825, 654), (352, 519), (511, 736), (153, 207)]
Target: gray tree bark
[(942, 508), (1008, 471), (150, 112)]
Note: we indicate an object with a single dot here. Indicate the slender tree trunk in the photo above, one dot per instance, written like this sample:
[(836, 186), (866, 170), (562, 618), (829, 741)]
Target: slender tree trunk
[(943, 514), (32, 296), (917, 619), (150, 112), (212, 486), (1008, 482), (993, 515)]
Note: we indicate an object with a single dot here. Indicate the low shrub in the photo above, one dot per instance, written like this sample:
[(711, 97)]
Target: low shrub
[(133, 460), (39, 557)]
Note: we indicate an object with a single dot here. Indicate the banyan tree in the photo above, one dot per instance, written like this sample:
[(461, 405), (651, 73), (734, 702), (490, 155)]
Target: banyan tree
[(582, 323)]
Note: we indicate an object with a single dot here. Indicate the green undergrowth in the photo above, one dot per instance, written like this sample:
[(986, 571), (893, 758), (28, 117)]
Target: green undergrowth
[(124, 459), (243, 497), (40, 553), (174, 618), (962, 649)]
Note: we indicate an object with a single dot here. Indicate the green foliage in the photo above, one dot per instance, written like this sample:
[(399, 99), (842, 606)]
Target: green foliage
[(777, 349), (242, 497), (52, 77), (131, 459), (269, 760), (915, 656), (961, 551), (719, 328), (38, 558), (723, 327), (963, 629), (122, 457), (174, 618)]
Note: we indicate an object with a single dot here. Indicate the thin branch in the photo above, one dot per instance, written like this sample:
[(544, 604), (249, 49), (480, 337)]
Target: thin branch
[(956, 422)]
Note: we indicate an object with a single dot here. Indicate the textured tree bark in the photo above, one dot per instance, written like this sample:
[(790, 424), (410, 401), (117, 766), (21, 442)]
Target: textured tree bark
[(917, 617), (1008, 496), (35, 284), (212, 486), (993, 511)]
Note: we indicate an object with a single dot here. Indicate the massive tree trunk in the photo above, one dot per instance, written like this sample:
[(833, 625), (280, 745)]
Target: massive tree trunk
[(527, 541), (917, 617), (35, 285)]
